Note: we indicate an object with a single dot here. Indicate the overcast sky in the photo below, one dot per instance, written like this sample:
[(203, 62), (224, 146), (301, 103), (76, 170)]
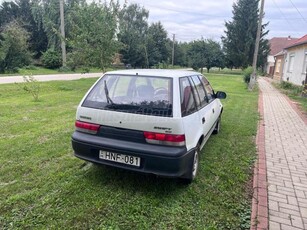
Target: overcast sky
[(191, 19)]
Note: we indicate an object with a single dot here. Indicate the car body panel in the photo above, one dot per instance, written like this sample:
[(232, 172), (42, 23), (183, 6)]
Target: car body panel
[(122, 132)]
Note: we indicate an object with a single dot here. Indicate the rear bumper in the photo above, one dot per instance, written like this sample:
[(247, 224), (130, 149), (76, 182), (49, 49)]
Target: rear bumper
[(159, 160)]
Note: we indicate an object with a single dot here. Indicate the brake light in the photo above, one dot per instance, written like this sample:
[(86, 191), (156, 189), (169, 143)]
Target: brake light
[(164, 139), (86, 127)]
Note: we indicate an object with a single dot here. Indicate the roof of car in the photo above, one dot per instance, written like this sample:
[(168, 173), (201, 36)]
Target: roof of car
[(155, 72)]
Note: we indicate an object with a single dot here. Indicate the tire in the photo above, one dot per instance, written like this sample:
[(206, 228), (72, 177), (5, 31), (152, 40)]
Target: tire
[(217, 127), (190, 177)]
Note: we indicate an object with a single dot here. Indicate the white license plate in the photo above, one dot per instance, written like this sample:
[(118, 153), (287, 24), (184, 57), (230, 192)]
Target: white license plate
[(120, 158)]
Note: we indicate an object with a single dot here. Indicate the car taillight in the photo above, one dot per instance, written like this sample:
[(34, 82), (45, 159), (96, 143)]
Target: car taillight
[(86, 127), (164, 139)]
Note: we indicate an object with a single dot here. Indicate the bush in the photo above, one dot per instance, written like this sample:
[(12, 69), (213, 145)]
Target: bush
[(30, 85), (64, 69), (30, 67), (247, 74), (51, 59), (14, 48), (291, 87)]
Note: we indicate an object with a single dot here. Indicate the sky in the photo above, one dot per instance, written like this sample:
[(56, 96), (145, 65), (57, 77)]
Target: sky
[(192, 19)]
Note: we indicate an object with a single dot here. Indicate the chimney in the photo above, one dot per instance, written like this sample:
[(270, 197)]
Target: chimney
[(289, 38)]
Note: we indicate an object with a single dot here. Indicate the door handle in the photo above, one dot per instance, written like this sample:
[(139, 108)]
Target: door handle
[(203, 120), (212, 110)]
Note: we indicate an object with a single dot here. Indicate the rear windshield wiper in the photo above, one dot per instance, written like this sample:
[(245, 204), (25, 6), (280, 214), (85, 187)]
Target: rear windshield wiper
[(109, 100)]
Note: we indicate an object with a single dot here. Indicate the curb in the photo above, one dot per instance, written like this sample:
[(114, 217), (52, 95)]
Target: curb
[(259, 215)]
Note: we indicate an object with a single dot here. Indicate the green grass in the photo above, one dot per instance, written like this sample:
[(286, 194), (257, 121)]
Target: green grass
[(224, 71), (44, 71), (294, 92), (42, 185)]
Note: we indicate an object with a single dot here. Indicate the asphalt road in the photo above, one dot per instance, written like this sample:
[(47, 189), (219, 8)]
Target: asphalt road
[(51, 77)]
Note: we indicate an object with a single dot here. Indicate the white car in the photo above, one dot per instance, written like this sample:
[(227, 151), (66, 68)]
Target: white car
[(151, 121)]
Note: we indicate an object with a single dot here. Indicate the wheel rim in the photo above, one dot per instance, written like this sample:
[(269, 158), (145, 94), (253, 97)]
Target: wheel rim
[(195, 164)]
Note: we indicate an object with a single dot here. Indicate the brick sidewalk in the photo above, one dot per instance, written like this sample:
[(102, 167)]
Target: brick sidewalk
[(284, 157)]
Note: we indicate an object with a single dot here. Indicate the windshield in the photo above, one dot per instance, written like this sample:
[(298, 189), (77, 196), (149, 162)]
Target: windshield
[(132, 94)]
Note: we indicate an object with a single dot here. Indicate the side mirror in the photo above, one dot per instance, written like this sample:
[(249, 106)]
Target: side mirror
[(220, 95)]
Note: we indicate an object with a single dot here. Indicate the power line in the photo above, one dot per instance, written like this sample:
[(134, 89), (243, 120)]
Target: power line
[(285, 18), (298, 11)]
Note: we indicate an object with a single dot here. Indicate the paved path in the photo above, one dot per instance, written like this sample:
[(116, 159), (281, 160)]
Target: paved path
[(285, 154), (51, 77)]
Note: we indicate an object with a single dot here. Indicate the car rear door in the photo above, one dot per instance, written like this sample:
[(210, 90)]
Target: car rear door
[(214, 105), (204, 108)]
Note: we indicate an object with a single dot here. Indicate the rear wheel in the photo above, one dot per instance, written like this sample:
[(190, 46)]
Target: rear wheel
[(194, 167), (217, 126)]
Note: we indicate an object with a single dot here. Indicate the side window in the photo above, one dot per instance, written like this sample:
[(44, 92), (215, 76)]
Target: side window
[(187, 100), (199, 88), (291, 63), (208, 88)]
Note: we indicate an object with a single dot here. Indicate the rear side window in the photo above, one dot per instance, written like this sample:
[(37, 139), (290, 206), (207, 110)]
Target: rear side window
[(132, 94), (187, 99), (208, 88), (200, 91)]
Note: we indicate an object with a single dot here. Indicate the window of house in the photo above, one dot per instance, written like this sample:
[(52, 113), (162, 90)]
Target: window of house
[(277, 68), (291, 63), (305, 63)]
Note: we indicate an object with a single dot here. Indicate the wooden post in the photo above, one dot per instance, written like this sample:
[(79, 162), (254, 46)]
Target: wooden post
[(253, 77), (173, 51), (63, 45)]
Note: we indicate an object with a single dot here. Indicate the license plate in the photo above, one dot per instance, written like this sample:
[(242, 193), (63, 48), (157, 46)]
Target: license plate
[(120, 158)]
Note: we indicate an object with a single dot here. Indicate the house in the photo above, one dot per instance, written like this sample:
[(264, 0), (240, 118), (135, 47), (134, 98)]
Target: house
[(277, 44), (278, 66), (295, 64)]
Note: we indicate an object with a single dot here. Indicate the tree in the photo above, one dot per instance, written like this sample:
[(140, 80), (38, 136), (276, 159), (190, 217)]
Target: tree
[(197, 54), (205, 53), (133, 27), (239, 43), (215, 55), (93, 34), (156, 44), (180, 54), (21, 11), (14, 47)]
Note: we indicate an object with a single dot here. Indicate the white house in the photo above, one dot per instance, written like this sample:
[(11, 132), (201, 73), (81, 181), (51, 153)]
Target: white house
[(277, 44), (295, 65)]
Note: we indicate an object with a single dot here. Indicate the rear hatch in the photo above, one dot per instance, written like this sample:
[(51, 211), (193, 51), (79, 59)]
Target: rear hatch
[(132, 108)]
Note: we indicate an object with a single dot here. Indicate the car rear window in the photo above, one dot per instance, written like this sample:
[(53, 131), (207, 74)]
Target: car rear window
[(132, 94)]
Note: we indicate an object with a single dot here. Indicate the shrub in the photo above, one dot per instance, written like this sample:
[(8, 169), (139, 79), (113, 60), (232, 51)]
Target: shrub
[(51, 59), (30, 67), (291, 87), (30, 85), (247, 74), (14, 48), (64, 69)]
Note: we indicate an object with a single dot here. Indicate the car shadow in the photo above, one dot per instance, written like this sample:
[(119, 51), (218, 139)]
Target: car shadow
[(115, 178)]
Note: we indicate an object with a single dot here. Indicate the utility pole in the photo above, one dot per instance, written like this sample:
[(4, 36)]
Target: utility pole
[(173, 51), (63, 45), (253, 77)]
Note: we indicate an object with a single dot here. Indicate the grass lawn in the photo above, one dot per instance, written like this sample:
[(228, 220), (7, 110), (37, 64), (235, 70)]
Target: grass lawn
[(45, 71), (293, 92), (42, 185)]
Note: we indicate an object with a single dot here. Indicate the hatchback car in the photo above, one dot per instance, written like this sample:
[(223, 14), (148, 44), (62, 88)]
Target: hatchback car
[(151, 121)]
